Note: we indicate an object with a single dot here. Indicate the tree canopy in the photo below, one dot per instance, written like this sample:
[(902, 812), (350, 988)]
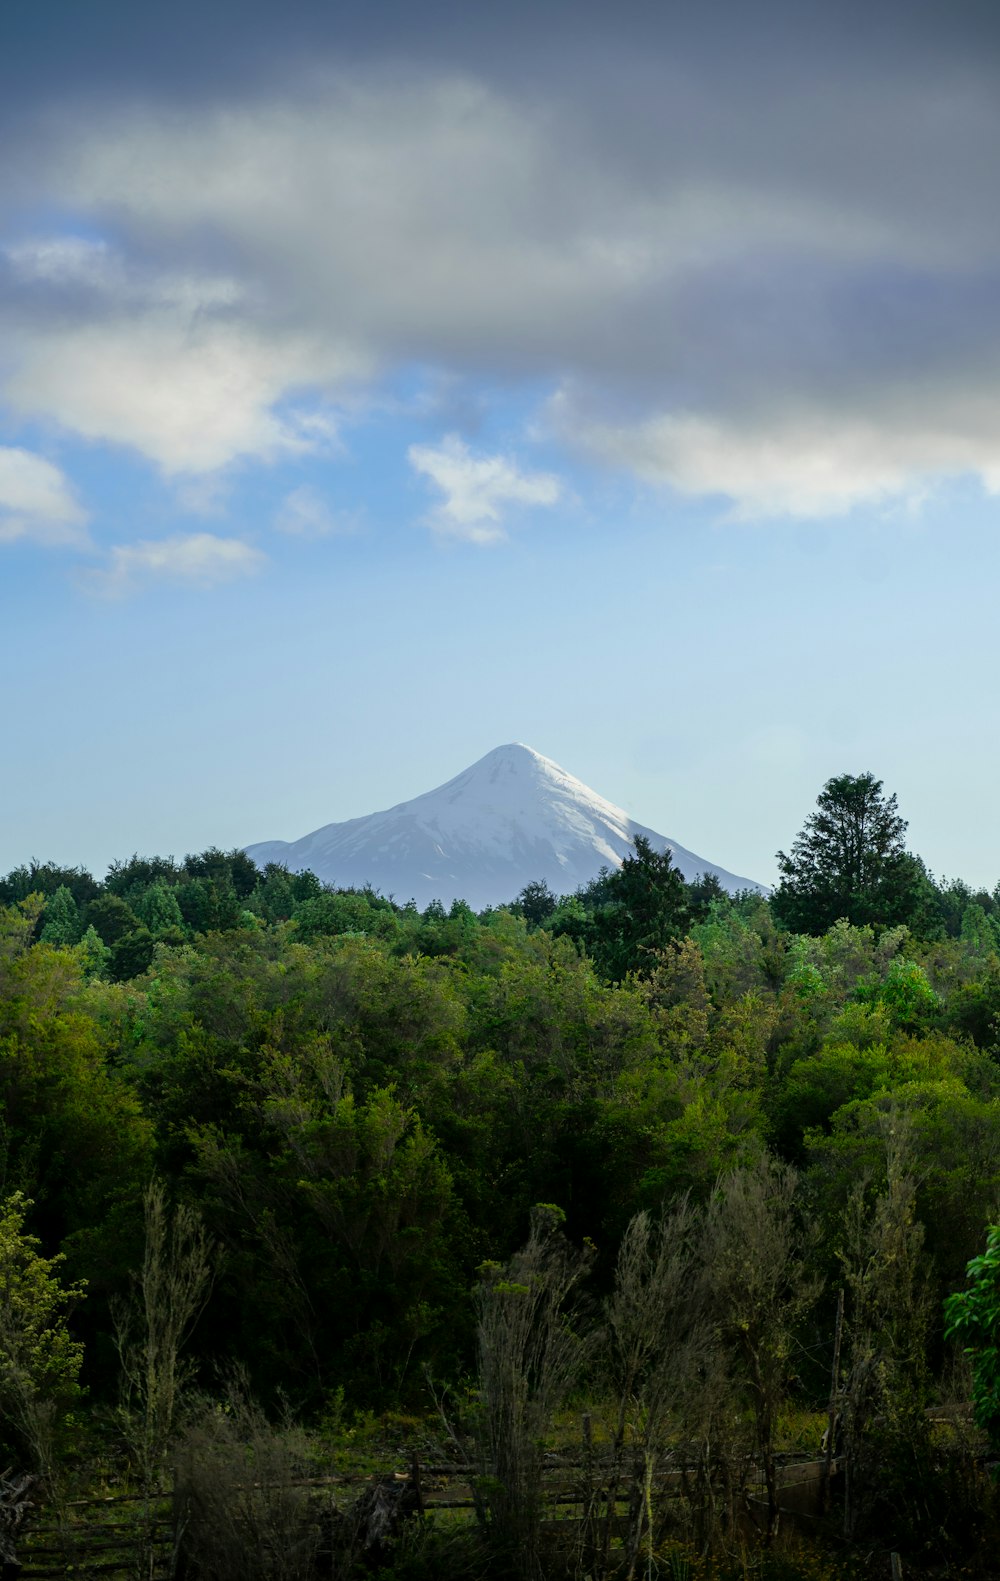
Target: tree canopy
[(849, 861)]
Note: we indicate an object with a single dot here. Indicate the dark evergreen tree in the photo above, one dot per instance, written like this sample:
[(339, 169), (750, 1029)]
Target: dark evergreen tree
[(129, 878), (702, 892), (44, 878), (112, 917), (131, 955), (536, 903), (227, 869), (849, 862), (645, 909)]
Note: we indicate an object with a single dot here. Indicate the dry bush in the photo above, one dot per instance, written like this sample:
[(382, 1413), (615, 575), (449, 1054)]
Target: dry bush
[(531, 1355), (658, 1354), (886, 1381), (241, 1515), (759, 1287), (152, 1328)]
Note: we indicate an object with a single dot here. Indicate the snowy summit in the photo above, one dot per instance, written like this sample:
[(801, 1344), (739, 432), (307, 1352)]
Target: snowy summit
[(513, 817)]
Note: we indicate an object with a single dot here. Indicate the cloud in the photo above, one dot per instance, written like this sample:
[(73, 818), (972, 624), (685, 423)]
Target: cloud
[(478, 489), (192, 391), (196, 559), (715, 246), (66, 261), (304, 513), (808, 465), (36, 502)]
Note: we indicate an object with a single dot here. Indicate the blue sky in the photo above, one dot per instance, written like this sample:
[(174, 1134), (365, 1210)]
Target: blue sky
[(375, 392)]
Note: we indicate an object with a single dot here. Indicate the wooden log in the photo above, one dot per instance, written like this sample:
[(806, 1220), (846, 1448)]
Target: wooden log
[(15, 1506)]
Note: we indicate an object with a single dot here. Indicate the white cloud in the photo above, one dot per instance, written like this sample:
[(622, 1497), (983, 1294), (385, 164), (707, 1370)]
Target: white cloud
[(304, 513), (810, 466), (197, 559), (478, 489), (191, 391), (36, 501)]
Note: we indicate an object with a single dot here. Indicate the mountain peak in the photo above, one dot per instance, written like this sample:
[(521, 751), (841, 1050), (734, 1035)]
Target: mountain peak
[(513, 754), (512, 817)]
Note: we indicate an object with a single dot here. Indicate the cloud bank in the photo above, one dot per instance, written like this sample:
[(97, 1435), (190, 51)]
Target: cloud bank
[(773, 278)]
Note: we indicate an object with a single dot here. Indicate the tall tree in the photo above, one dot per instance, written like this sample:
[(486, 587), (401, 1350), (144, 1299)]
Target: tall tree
[(645, 908), (849, 861)]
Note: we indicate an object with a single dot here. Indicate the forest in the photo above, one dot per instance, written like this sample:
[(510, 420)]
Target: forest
[(648, 1180)]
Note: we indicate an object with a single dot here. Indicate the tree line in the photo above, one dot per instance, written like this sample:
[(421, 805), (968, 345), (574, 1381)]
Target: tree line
[(363, 1104)]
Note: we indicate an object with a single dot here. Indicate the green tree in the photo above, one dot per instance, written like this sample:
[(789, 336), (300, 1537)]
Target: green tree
[(849, 862), (973, 1316), (112, 917), (61, 922), (906, 994), (44, 878), (645, 909), (131, 955), (209, 904), (39, 1360), (536, 903), (129, 878), (230, 870), (94, 953), (157, 907)]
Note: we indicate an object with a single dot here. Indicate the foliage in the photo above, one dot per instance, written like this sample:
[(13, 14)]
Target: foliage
[(972, 1316), (365, 1103), (849, 862), (39, 1359)]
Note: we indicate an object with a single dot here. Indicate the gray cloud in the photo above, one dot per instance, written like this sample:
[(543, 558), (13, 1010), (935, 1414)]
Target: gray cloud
[(777, 246)]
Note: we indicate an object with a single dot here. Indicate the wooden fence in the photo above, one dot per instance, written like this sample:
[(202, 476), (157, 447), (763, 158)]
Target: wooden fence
[(129, 1536)]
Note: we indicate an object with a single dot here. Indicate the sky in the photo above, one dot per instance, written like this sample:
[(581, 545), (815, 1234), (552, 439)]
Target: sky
[(382, 384)]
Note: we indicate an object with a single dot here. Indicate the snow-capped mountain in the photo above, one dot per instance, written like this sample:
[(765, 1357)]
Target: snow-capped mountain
[(509, 819)]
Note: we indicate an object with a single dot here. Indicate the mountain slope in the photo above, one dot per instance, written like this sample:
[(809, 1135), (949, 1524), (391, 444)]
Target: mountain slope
[(512, 817)]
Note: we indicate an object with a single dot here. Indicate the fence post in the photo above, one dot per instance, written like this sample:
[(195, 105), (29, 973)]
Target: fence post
[(831, 1418)]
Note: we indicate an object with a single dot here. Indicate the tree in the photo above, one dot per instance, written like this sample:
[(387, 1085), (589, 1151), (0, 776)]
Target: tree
[(93, 953), (44, 878), (536, 903), (849, 862), (131, 954), (112, 917), (645, 909), (157, 907), (61, 921), (230, 869), (39, 1361), (973, 1316)]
